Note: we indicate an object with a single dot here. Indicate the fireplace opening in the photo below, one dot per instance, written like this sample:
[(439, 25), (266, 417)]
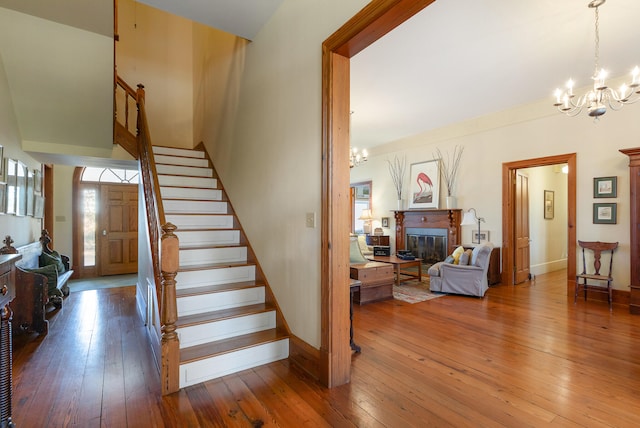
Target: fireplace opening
[(428, 244)]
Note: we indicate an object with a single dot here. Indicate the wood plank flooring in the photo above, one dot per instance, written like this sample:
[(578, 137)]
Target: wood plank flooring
[(523, 356)]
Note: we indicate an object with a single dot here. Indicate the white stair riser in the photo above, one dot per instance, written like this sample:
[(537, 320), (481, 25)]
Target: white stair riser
[(176, 160), (180, 181), (202, 256), (204, 207), (204, 277), (224, 329), (196, 238), (222, 365), (184, 170), (186, 222), (199, 304), (171, 151), (190, 193)]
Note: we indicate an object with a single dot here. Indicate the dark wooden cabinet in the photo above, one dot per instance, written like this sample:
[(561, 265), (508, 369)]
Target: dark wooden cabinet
[(378, 240), (7, 293)]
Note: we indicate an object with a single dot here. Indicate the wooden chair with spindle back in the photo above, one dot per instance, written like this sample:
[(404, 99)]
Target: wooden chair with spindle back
[(596, 278)]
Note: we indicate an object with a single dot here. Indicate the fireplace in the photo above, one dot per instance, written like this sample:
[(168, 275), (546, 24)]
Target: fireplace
[(438, 227), (428, 244)]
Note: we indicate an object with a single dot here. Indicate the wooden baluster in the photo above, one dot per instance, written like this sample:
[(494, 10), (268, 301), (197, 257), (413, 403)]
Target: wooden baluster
[(170, 343)]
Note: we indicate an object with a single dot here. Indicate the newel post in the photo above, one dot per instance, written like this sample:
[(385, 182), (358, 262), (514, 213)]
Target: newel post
[(140, 92), (170, 352)]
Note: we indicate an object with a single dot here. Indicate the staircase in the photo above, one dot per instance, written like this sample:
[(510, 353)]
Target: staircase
[(228, 319)]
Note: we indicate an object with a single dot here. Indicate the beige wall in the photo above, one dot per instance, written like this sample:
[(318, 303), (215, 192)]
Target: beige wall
[(527, 132), (269, 158), (155, 50), (548, 246), (26, 229)]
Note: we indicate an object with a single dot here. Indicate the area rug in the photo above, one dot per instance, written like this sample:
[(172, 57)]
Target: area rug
[(414, 292)]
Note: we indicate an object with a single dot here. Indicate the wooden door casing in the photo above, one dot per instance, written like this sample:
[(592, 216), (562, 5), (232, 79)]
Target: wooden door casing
[(118, 229)]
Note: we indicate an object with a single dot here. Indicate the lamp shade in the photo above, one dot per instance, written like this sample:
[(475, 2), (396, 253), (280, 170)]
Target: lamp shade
[(366, 215), (469, 219)]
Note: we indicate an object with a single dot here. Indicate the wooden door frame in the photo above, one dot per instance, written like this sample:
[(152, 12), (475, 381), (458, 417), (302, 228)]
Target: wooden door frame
[(508, 213), (374, 21)]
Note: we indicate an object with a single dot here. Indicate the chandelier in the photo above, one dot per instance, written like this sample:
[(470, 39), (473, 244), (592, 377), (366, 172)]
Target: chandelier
[(356, 157), (597, 99)]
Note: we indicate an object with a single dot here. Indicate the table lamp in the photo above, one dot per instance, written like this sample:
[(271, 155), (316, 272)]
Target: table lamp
[(367, 217), (470, 218)]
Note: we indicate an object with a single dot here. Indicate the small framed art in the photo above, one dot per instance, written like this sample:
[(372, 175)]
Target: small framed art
[(385, 221), (480, 236), (605, 187), (605, 213), (548, 204)]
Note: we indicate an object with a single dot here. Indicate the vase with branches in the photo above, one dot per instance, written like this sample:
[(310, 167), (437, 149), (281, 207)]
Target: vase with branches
[(449, 167), (397, 169)]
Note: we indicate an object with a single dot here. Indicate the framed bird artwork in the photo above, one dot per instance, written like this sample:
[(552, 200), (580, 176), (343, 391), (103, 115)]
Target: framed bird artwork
[(424, 183)]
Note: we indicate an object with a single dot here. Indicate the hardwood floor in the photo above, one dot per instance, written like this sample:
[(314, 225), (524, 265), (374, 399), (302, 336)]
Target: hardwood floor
[(522, 356)]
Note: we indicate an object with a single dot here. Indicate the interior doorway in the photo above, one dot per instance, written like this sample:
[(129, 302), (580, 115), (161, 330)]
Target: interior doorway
[(510, 219)]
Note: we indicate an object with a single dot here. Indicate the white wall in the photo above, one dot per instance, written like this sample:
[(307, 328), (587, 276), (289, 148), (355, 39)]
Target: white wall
[(23, 230), (527, 132)]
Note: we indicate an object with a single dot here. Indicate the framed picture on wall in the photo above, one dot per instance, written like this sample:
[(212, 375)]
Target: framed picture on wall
[(385, 221), (12, 181), (548, 204), (3, 198), (605, 213), (30, 192), (38, 211), (37, 180), (605, 187), (480, 236), (425, 184), (21, 189)]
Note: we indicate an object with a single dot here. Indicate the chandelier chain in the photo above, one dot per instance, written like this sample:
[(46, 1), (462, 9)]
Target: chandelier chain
[(597, 43)]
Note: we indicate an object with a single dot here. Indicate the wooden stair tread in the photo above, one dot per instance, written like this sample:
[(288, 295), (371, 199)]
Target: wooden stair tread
[(223, 314), (217, 288), (192, 200), (210, 246), (206, 350), (214, 266), (162, 186)]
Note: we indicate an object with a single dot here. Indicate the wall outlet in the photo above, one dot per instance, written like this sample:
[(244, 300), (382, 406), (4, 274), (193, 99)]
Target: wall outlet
[(311, 220)]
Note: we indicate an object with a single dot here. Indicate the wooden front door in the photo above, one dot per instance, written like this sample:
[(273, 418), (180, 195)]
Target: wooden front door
[(118, 229), (522, 238)]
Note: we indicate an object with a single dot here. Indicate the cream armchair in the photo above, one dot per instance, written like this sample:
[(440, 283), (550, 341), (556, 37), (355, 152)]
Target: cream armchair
[(468, 279)]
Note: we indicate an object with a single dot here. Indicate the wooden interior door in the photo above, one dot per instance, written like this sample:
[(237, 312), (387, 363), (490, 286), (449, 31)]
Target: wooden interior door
[(522, 237), (118, 229)]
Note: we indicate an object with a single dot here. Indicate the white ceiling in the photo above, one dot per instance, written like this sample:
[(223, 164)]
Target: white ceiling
[(460, 59), (243, 18), (456, 60)]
